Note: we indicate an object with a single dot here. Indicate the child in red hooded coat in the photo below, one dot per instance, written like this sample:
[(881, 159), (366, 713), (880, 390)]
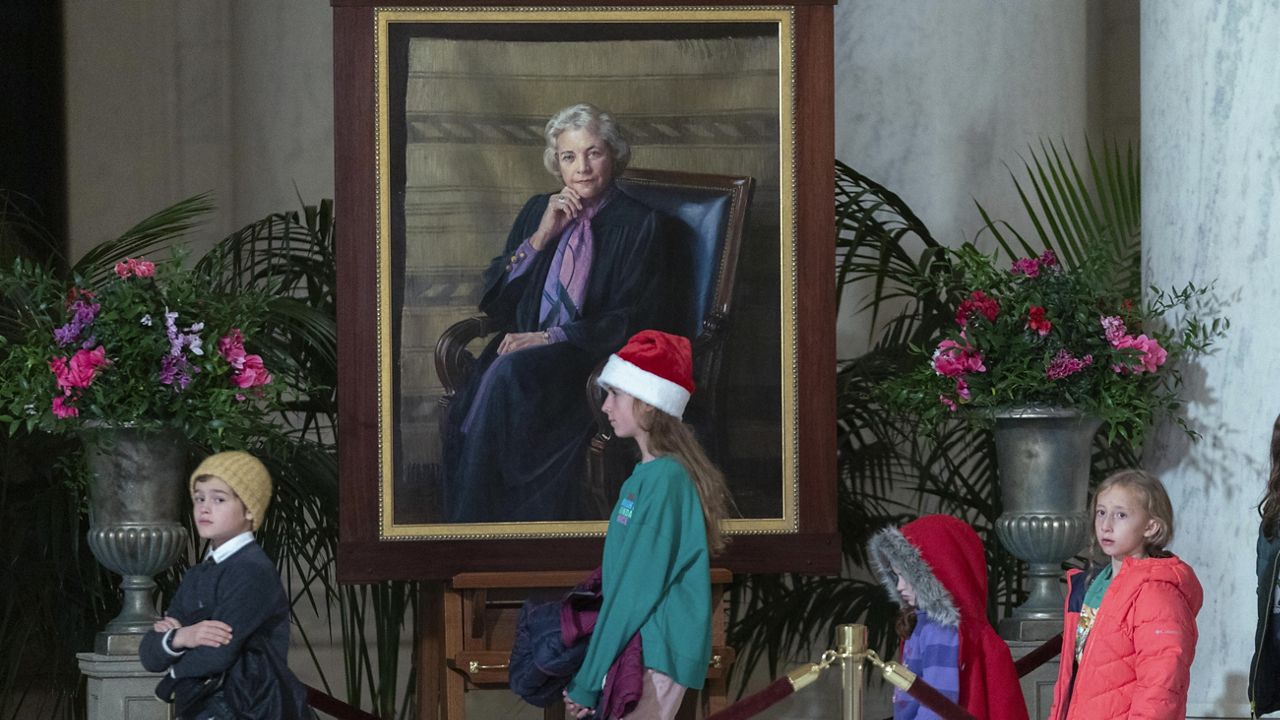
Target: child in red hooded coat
[(935, 567)]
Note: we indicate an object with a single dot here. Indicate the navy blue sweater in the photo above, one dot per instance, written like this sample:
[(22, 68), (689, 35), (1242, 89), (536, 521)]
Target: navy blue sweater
[(243, 591)]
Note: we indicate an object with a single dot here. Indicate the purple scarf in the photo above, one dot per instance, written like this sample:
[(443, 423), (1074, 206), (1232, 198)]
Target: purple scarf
[(566, 283)]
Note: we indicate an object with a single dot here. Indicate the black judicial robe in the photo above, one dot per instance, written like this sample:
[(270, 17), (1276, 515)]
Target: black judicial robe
[(523, 458)]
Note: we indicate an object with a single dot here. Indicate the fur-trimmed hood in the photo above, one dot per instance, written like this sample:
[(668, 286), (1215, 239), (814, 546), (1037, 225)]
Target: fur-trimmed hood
[(943, 559), (945, 562), (890, 551)]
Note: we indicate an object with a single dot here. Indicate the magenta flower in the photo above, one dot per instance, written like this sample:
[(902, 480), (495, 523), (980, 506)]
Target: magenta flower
[(1026, 266), (1031, 267), (1065, 365), (248, 371), (952, 359), (80, 371), (63, 410), (253, 374), (962, 389), (951, 404), (231, 348)]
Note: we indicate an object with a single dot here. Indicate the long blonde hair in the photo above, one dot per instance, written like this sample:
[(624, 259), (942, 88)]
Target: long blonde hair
[(668, 435)]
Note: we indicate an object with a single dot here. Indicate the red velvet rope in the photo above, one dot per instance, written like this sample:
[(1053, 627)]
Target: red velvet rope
[(331, 705), (936, 701), (922, 691), (754, 704), (1041, 655)]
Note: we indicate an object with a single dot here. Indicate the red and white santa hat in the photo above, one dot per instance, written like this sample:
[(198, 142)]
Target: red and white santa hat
[(654, 367)]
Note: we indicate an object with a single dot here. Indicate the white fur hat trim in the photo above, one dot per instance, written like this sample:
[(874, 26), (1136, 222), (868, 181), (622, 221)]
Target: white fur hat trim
[(654, 389)]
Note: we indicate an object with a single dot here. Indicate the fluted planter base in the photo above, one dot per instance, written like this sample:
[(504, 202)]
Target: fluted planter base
[(135, 497), (1043, 457)]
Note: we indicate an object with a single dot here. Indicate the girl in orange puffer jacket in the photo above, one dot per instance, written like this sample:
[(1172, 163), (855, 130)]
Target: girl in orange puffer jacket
[(1129, 634)]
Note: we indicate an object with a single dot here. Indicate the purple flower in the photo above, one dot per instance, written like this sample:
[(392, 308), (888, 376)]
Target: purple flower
[(175, 370), (82, 316)]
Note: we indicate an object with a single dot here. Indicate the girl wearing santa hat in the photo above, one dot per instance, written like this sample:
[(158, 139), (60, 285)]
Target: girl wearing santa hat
[(666, 524)]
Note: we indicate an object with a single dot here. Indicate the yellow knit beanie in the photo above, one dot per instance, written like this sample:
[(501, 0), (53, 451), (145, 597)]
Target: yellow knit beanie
[(246, 475)]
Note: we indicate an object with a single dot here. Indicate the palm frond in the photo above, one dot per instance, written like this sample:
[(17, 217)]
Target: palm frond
[(1083, 217), (162, 230)]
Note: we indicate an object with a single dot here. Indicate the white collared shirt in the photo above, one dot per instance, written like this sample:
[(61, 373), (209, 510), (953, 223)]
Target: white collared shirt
[(229, 548)]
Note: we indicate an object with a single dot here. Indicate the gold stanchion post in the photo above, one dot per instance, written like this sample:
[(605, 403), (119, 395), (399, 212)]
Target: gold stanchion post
[(851, 644)]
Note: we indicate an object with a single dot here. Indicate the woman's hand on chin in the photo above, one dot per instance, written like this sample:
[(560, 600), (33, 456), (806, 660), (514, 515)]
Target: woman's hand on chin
[(519, 341), (562, 208)]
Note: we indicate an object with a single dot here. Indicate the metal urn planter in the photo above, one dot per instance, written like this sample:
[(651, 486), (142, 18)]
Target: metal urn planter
[(136, 495), (1043, 456)]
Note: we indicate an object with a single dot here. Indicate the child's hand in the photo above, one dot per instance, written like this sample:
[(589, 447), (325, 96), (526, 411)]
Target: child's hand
[(208, 633), (165, 624), (574, 708)]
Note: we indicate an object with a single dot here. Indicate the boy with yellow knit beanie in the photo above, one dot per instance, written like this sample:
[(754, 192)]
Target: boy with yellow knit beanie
[(224, 639)]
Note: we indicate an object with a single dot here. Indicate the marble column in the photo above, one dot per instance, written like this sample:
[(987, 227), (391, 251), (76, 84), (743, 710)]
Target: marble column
[(1211, 201)]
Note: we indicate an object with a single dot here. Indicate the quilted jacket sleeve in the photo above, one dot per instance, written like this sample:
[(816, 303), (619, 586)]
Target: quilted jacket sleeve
[(1164, 641)]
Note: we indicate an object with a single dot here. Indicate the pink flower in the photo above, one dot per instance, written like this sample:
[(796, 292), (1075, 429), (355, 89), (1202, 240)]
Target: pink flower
[(80, 371), (1031, 267), (1036, 321), (1026, 266), (951, 404), (1064, 365), (1151, 358), (952, 359), (1114, 329), (63, 410), (980, 303), (253, 374), (132, 267), (962, 389), (231, 348)]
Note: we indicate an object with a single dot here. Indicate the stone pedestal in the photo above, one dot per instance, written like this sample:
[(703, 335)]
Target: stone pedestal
[(120, 689), (1037, 686)]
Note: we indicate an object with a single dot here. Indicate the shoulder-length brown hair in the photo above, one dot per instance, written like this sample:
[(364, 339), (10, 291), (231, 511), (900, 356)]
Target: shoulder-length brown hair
[(1269, 508)]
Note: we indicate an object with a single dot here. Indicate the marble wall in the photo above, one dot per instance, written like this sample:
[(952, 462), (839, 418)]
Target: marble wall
[(168, 99), (1211, 175), (937, 99)]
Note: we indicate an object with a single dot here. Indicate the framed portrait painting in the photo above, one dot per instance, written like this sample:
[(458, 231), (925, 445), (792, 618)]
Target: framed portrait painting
[(470, 436)]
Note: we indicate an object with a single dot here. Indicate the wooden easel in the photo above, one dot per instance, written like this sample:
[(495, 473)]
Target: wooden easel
[(466, 627)]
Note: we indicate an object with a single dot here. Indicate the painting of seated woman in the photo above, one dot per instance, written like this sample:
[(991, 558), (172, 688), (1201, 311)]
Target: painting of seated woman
[(578, 275)]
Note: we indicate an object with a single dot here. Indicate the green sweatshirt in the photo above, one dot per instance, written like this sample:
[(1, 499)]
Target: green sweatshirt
[(656, 580)]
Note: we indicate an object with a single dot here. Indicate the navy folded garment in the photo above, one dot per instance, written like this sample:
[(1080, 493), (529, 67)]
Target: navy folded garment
[(541, 665)]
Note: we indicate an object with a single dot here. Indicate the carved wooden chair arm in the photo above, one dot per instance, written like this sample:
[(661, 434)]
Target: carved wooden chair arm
[(453, 360)]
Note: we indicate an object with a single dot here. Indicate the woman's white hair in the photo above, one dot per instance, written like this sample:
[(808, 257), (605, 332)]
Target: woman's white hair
[(589, 117)]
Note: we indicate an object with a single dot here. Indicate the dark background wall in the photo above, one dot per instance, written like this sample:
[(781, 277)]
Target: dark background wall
[(32, 121)]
